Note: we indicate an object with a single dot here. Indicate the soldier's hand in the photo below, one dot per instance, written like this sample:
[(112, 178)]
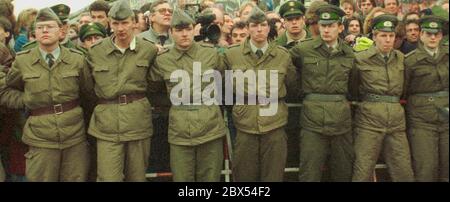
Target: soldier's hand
[(160, 48)]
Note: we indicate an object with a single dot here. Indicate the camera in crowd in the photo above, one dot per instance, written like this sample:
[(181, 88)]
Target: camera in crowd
[(209, 31)]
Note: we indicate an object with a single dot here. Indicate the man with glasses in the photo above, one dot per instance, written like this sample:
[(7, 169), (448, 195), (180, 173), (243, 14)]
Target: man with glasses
[(51, 81), (160, 17)]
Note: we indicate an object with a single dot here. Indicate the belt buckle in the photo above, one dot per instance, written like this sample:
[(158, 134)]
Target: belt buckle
[(123, 100), (431, 99), (58, 109)]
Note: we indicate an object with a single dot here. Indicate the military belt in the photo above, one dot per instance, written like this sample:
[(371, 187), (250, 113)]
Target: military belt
[(260, 101), (431, 96), (188, 107), (381, 98), (325, 97), (55, 109), (123, 99)]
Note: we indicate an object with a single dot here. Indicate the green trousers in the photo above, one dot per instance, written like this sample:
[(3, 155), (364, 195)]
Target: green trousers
[(395, 148), (319, 151), (200, 163), (260, 157)]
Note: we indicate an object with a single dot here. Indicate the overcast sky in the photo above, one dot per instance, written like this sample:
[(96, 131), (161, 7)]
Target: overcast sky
[(74, 5)]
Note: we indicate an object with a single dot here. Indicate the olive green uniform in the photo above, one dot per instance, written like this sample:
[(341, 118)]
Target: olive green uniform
[(195, 131), (58, 148), (123, 129), (261, 144), (427, 93), (379, 118), (325, 120)]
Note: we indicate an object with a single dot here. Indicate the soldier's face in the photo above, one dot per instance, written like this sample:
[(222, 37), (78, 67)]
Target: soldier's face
[(330, 32), (90, 40), (384, 41), (123, 29), (162, 14), (48, 33), (412, 32), (431, 40), (183, 36), (258, 31), (294, 25), (239, 35), (366, 6), (100, 17)]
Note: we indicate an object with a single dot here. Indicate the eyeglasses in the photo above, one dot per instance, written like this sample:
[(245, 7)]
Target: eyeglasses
[(41, 28), (163, 11)]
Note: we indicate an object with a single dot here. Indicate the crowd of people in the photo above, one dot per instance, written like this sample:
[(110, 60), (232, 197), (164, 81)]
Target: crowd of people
[(89, 98)]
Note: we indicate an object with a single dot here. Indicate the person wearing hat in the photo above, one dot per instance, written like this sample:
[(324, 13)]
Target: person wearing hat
[(426, 72), (122, 120), (261, 146), (89, 34), (196, 131), (379, 117), (325, 64), (311, 18), (62, 11), (294, 21), (52, 83)]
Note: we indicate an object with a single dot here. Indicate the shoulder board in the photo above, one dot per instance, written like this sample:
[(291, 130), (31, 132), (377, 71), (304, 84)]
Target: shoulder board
[(145, 39), (283, 48), (308, 39), (96, 43), (234, 45), (23, 52), (75, 51), (410, 53), (207, 45), (29, 45), (163, 51)]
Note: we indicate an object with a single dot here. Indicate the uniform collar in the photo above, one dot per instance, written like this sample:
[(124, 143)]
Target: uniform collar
[(254, 48), (62, 53), (189, 52), (112, 46), (56, 53), (289, 39)]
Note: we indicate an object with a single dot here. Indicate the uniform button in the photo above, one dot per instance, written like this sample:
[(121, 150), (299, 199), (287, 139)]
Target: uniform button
[(431, 99)]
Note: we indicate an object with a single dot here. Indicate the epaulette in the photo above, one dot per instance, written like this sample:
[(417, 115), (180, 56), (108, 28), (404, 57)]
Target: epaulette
[(23, 52), (96, 43), (307, 39), (207, 45), (75, 51), (234, 45), (145, 39), (165, 50), (410, 53), (283, 48)]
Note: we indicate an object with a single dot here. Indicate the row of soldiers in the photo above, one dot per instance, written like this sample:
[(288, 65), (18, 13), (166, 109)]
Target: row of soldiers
[(59, 87)]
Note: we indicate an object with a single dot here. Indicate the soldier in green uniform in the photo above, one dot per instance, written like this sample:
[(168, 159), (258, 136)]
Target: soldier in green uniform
[(89, 34), (294, 21), (50, 81), (325, 64), (261, 147), (62, 11), (196, 130), (426, 75), (379, 117), (122, 120)]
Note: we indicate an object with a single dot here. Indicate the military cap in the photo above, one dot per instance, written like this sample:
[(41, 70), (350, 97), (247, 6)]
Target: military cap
[(292, 9), (62, 11), (385, 23), (431, 24), (329, 14), (93, 28), (256, 16), (120, 10), (181, 18), (47, 14)]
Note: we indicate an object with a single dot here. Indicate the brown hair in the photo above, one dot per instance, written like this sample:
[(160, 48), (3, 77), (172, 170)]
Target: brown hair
[(25, 19), (99, 5)]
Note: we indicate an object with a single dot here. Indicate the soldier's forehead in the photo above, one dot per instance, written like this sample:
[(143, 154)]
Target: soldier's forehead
[(50, 22)]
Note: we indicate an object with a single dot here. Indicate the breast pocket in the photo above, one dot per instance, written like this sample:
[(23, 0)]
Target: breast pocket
[(34, 82), (101, 76), (343, 72), (141, 72), (371, 76), (310, 66), (70, 81)]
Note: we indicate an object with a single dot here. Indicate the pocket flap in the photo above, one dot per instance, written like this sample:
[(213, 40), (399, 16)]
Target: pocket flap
[(32, 75), (310, 60), (70, 74)]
